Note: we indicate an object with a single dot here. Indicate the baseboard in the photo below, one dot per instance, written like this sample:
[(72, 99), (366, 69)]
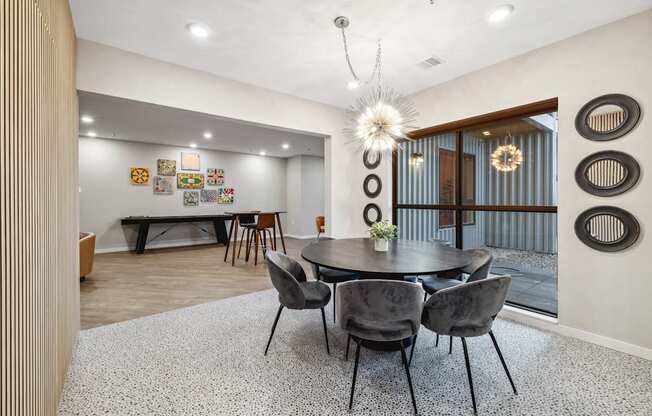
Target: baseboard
[(551, 324), (301, 237), (162, 244)]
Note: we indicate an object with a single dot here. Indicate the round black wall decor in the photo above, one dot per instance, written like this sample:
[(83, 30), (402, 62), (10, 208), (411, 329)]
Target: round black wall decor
[(372, 209), (607, 228), (370, 179), (607, 117), (607, 173), (371, 158)]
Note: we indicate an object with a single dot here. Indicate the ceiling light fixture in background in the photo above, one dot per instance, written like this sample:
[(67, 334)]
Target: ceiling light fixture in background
[(500, 13), (262, 153), (198, 30), (486, 133), (208, 135), (86, 119), (91, 134), (285, 146), (193, 145)]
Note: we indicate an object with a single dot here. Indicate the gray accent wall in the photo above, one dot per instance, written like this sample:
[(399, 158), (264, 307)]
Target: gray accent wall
[(106, 195)]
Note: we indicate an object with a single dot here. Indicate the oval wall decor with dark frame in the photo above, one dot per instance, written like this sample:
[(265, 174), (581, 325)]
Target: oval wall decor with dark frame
[(367, 209), (631, 114), (607, 173), (365, 186), (607, 228), (373, 163)]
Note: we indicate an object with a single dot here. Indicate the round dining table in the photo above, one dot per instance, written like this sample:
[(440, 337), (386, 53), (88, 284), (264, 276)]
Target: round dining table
[(403, 258)]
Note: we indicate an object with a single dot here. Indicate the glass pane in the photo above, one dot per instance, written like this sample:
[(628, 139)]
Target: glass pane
[(426, 171), (524, 246), (425, 225), (515, 162)]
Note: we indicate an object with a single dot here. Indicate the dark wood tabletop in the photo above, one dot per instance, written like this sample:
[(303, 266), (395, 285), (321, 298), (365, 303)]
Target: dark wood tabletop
[(404, 258)]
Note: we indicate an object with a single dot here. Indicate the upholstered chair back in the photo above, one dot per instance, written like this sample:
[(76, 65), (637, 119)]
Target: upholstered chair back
[(379, 310), (466, 310), (286, 273), (480, 265)]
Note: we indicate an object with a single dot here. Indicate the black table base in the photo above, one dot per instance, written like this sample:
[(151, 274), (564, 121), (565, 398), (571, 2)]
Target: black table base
[(144, 223)]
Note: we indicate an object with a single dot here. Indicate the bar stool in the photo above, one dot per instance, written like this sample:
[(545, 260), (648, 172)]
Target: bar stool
[(246, 221), (261, 230)]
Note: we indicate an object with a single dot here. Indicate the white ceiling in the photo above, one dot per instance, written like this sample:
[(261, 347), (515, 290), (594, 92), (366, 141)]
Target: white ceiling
[(121, 119), (292, 46)]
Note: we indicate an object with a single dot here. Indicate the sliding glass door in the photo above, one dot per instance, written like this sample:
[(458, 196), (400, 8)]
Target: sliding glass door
[(499, 193)]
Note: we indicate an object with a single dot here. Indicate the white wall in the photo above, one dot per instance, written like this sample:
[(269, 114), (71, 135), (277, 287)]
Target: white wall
[(305, 195), (105, 70), (106, 195), (600, 293)]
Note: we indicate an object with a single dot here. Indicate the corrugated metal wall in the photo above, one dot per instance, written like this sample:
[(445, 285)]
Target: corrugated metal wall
[(533, 183)]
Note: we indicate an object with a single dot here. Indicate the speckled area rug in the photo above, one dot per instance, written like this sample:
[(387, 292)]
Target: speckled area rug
[(208, 360)]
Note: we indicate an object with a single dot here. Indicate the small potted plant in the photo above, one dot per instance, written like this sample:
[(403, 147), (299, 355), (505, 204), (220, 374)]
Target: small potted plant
[(381, 232)]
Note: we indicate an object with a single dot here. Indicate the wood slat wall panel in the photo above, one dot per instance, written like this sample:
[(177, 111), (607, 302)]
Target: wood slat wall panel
[(38, 203)]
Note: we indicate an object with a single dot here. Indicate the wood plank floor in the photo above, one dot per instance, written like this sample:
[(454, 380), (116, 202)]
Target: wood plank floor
[(126, 286)]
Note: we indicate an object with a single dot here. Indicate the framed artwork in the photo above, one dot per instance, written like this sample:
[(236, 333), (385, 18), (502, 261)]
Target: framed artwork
[(190, 198), (166, 167), (190, 181), (208, 195), (189, 161), (226, 196), (163, 185), (214, 176), (139, 176)]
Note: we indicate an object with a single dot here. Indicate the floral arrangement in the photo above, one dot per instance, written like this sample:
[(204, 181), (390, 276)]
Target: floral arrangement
[(383, 230)]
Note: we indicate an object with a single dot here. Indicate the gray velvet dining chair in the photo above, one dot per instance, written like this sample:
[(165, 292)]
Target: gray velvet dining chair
[(294, 290), (466, 311), (478, 269), (332, 276), (382, 315)]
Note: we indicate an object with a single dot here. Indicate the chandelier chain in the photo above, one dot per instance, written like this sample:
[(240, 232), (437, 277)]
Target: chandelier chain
[(375, 73)]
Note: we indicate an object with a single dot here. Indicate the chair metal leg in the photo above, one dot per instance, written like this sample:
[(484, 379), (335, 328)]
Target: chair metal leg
[(334, 289), (414, 343), (256, 248), (278, 315), (450, 345), (437, 340), (355, 373), (425, 296), (502, 360), (468, 372), (407, 372), (348, 343), (323, 319)]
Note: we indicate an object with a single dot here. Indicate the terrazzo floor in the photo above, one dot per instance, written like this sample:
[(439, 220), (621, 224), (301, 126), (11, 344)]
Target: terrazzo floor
[(208, 360)]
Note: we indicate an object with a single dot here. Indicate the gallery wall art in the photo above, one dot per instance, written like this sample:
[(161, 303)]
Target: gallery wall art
[(163, 185), (190, 198), (189, 161), (208, 195), (166, 167), (190, 181), (214, 176), (139, 176), (226, 196)]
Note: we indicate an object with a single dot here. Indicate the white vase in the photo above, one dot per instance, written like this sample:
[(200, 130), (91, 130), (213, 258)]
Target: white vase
[(381, 245)]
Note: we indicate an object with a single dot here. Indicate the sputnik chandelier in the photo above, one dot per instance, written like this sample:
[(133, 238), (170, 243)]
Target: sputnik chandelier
[(380, 119), (507, 158)]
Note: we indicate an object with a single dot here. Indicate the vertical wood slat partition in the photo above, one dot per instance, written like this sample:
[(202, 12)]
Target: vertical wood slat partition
[(38, 203)]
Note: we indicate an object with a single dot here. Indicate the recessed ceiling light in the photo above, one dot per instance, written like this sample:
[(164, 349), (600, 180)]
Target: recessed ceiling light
[(500, 13), (208, 135), (352, 85), (86, 119), (91, 134), (198, 30), (486, 133), (285, 146), (262, 153), (193, 145)]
